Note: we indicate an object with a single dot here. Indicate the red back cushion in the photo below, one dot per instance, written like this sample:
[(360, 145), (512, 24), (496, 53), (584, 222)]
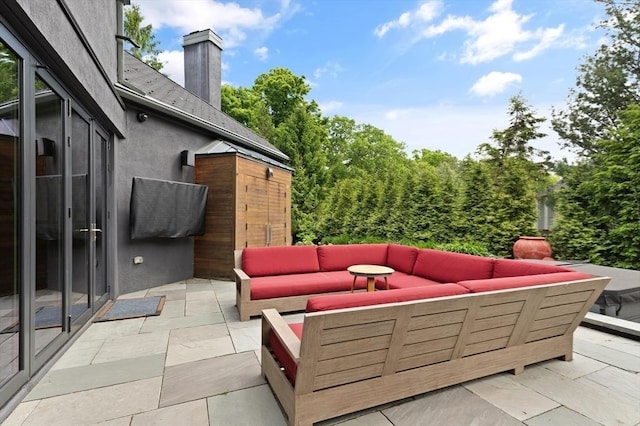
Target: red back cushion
[(449, 267), (350, 300), (279, 260), (514, 268), (401, 258), (340, 257), (477, 286), (289, 364)]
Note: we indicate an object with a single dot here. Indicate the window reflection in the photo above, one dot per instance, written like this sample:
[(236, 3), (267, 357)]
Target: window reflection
[(48, 318), (10, 188)]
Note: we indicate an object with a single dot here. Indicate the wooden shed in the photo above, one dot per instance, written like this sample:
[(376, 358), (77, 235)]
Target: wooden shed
[(248, 205)]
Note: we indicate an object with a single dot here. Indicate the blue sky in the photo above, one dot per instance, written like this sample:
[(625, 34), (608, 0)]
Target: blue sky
[(433, 74)]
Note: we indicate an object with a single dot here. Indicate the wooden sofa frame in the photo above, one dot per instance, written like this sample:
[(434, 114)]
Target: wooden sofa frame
[(357, 358), (248, 307)]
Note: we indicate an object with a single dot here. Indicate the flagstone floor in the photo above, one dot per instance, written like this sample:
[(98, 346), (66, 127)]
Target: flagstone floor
[(197, 364)]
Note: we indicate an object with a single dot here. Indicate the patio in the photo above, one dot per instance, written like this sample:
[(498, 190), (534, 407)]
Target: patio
[(197, 364)]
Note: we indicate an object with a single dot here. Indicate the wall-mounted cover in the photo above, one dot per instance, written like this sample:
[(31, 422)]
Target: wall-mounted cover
[(166, 209)]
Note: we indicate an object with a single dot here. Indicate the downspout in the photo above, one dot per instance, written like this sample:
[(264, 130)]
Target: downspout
[(120, 37)]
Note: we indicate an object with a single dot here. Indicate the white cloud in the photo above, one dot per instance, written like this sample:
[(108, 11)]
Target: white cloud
[(548, 37), (501, 33), (330, 106), (495, 82), (262, 53), (173, 65), (425, 12), (228, 19), (331, 69)]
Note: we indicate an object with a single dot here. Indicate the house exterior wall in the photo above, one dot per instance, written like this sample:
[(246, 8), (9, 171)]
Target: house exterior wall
[(88, 67), (152, 150)]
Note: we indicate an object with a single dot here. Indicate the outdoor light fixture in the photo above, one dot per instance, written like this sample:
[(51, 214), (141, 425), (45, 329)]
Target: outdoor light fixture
[(142, 117), (269, 172)]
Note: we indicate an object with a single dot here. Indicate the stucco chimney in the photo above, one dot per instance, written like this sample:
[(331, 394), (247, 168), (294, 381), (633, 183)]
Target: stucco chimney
[(203, 65)]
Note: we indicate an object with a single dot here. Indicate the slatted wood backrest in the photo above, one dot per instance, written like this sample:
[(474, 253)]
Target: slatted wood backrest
[(356, 344)]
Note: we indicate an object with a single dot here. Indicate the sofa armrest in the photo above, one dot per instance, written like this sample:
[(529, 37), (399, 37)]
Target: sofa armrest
[(243, 293), (273, 322), (241, 275)]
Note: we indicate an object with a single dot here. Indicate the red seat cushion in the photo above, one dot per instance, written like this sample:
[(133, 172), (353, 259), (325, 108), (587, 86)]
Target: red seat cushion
[(402, 280), (282, 355), (449, 267), (340, 257), (514, 268), (401, 258), (279, 260), (477, 286), (299, 284), (350, 300)]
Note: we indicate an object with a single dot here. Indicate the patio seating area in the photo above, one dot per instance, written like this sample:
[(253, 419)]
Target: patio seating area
[(198, 364)]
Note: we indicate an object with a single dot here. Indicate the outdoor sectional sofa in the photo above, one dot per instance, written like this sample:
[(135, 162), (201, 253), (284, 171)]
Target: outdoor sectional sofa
[(284, 277), (358, 351)]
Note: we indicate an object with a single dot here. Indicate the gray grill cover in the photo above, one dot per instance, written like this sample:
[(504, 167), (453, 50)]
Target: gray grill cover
[(166, 209)]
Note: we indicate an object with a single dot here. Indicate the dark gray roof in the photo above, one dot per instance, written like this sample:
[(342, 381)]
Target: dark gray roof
[(152, 87)]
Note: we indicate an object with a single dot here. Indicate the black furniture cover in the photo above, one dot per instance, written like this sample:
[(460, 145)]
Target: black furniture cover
[(166, 209)]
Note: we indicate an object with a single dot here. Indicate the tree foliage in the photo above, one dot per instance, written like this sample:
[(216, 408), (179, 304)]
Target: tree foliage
[(147, 50), (354, 182), (607, 83), (598, 206), (600, 203)]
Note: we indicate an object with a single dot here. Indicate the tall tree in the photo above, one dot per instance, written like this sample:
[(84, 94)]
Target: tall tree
[(281, 91), (515, 140), (608, 81), (600, 205), (143, 36)]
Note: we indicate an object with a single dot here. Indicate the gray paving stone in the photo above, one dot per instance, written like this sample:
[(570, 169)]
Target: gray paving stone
[(370, 419), (97, 405), (192, 413), (450, 406), (154, 324), (560, 416), (246, 339), (132, 346), (173, 309), (608, 355), (110, 329), (252, 406), (514, 399), (578, 367), (209, 377), (585, 397), (196, 343), (619, 381), (68, 380)]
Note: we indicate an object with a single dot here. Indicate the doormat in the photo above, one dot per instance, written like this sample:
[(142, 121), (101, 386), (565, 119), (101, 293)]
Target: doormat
[(131, 308), (48, 317)]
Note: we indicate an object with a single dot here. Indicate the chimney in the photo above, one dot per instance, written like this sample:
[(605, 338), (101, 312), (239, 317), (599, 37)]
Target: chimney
[(203, 65)]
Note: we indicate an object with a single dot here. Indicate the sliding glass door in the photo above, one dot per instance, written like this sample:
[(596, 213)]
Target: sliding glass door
[(53, 216)]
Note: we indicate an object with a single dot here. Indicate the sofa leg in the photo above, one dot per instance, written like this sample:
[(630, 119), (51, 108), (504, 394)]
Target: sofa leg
[(567, 357)]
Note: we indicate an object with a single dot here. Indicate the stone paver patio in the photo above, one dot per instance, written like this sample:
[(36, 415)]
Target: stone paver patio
[(197, 364)]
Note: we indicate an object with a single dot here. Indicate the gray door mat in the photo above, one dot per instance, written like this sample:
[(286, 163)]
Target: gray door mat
[(131, 308)]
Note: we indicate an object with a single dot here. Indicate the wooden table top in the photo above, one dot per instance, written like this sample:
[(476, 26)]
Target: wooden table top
[(370, 270)]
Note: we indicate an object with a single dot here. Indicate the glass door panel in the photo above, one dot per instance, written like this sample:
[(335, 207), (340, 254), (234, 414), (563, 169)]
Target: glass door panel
[(100, 179), (10, 214), (81, 215), (48, 315)]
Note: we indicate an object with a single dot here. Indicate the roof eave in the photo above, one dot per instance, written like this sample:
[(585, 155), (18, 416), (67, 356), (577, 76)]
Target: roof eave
[(131, 94)]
